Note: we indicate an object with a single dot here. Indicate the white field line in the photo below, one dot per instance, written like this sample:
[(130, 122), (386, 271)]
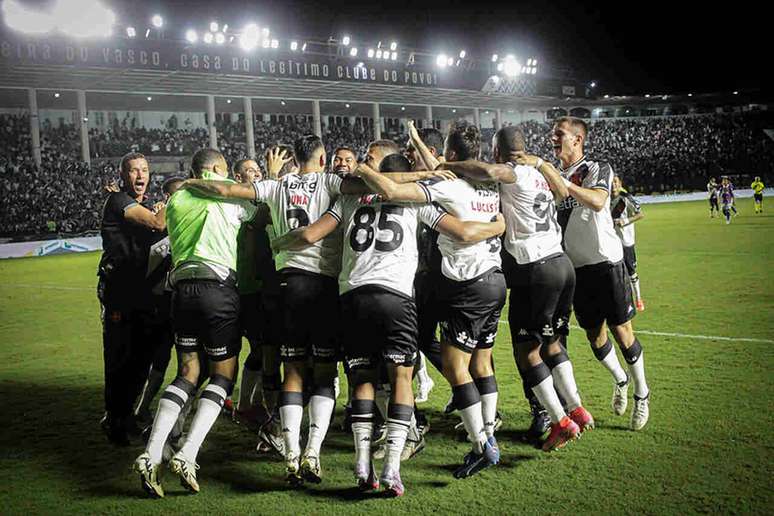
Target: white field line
[(644, 332), (687, 336)]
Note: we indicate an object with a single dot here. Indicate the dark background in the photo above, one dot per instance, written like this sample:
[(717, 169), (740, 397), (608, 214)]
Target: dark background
[(656, 47)]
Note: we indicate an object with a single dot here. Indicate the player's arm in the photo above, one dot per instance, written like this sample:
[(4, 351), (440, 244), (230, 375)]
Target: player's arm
[(558, 185), (481, 171), (220, 189), (142, 216), (593, 198), (430, 161), (307, 235), (389, 189), (413, 177), (470, 232)]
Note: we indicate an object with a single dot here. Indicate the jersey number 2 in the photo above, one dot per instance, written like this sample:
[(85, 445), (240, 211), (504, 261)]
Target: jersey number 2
[(364, 219)]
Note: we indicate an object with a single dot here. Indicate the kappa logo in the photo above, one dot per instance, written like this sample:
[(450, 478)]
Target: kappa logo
[(490, 338), (465, 340), (561, 322), (522, 331)]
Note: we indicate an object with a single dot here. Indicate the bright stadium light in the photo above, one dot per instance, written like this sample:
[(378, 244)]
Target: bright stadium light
[(371, 53), (265, 32), (690, 94), (403, 108), (191, 36), (228, 101), (394, 56), (736, 93), (353, 52), (214, 26), (379, 54), (607, 96), (274, 43), (282, 102), (494, 58), (220, 38), (250, 36), (294, 46), (500, 67), (462, 54), (266, 43), (149, 98), (454, 110), (56, 95), (84, 18), (346, 106), (647, 95), (386, 55), (394, 46), (147, 33), (593, 84), (303, 47), (225, 28), (345, 41), (450, 61), (157, 21), (208, 37), (441, 60), (131, 32), (21, 18), (511, 67)]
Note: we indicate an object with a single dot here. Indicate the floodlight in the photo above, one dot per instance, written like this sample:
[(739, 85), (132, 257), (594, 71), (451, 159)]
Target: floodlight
[(208, 37), (441, 60), (131, 32), (370, 52), (214, 26), (345, 41), (248, 40), (494, 58), (157, 21), (191, 36), (294, 45), (393, 46), (462, 54), (220, 38), (353, 52)]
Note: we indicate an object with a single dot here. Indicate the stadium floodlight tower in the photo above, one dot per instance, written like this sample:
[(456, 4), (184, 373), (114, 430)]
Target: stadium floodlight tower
[(250, 37)]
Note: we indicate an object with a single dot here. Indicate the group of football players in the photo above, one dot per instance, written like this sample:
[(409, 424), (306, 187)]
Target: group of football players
[(361, 264)]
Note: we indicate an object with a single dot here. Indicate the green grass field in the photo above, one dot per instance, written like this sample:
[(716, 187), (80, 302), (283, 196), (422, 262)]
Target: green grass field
[(706, 448)]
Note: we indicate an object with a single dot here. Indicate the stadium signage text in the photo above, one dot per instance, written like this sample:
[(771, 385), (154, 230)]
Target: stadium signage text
[(176, 57)]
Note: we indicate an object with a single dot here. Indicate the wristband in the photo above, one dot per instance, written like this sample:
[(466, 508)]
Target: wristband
[(539, 163)]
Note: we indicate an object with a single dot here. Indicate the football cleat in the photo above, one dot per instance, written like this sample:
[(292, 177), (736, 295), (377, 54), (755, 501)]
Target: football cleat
[(561, 433), (271, 435), (412, 447), (292, 468), (541, 423), (424, 389), (365, 474), (582, 418), (115, 430), (390, 479), (640, 413), (640, 305), (186, 470), (149, 476), (310, 469), (620, 397), (474, 462)]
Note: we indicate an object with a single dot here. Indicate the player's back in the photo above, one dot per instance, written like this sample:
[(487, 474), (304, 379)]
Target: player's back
[(532, 231), (379, 242), (298, 200), (467, 202)]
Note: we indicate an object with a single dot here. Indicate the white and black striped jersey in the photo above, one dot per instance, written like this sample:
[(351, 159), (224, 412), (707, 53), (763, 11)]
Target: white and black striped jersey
[(589, 236), (380, 244), (623, 207), (467, 202), (297, 200), (531, 229)]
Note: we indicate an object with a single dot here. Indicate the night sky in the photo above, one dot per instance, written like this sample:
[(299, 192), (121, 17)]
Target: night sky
[(655, 47)]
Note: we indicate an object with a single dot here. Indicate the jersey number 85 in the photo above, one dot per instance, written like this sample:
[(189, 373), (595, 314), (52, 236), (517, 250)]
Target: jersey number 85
[(364, 220)]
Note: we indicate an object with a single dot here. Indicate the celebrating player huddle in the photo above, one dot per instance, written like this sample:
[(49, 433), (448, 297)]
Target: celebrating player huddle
[(346, 257)]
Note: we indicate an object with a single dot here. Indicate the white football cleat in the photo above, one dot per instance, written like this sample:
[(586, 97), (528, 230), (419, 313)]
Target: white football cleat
[(640, 413), (186, 470), (620, 397), (149, 475)]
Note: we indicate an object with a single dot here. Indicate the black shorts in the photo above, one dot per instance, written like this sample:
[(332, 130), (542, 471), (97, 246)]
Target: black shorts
[(541, 300), (272, 319), (758, 197), (250, 317), (380, 326), (311, 317), (714, 203), (205, 314), (603, 293), (630, 260), (470, 310)]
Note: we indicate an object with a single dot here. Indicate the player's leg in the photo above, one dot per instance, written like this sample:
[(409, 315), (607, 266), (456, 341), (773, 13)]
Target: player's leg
[(631, 349), (250, 382), (163, 353), (630, 261)]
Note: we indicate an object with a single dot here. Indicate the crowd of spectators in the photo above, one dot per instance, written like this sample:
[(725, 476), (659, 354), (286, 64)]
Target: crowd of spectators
[(64, 195)]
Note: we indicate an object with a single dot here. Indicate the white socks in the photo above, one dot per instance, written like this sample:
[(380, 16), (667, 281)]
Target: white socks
[(564, 383), (546, 395), (320, 410), (207, 412), (291, 412)]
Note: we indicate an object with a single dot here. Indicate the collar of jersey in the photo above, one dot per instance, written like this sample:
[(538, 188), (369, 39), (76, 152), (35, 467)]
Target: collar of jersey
[(572, 167)]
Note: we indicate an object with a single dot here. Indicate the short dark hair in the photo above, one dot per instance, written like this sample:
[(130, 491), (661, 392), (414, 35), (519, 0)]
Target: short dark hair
[(238, 165), (345, 148), (123, 167), (204, 159), (576, 123), (509, 139), (432, 138), (306, 146), (464, 138), (387, 146), (395, 163), (171, 185)]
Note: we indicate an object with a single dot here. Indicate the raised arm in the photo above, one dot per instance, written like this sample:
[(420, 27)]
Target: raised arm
[(481, 171), (431, 162), (220, 189), (389, 189), (470, 232), (142, 216), (307, 235), (555, 181)]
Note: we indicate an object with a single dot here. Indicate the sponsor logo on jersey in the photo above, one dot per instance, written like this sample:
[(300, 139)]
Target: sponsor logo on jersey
[(548, 331)]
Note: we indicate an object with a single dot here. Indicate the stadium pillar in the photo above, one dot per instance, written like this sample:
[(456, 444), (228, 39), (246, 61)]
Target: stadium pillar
[(316, 119), (211, 122), (499, 119), (84, 124), (428, 116), (377, 121), (476, 117), (32, 94), (249, 134)]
